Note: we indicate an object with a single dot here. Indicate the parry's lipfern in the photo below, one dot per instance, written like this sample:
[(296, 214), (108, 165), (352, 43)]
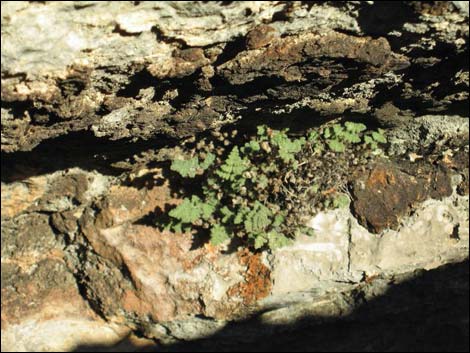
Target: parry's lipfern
[(235, 195), (338, 137), (189, 168), (240, 191)]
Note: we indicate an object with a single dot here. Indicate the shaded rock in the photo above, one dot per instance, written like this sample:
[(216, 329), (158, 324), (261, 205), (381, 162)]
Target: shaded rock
[(260, 36), (415, 311), (286, 57)]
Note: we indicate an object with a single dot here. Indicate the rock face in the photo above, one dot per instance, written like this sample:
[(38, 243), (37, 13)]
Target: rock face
[(98, 96)]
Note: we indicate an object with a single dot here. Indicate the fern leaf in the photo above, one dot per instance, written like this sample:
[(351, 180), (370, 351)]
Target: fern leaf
[(379, 137), (258, 218), (219, 234), (186, 168), (354, 127), (208, 161), (233, 167), (277, 240), (336, 146), (188, 211)]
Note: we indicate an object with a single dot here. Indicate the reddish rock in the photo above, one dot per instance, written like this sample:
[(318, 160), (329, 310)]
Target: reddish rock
[(156, 274), (127, 204), (17, 197), (386, 193)]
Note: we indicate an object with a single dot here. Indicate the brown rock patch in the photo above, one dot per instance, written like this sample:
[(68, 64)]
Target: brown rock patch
[(386, 192)]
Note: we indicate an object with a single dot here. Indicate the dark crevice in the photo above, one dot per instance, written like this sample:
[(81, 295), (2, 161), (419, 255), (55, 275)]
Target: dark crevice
[(421, 79), (187, 89), (21, 75), (285, 14), (231, 50), (77, 149), (138, 81), (161, 37), (43, 117), (122, 32), (347, 73), (81, 279), (385, 16), (17, 108)]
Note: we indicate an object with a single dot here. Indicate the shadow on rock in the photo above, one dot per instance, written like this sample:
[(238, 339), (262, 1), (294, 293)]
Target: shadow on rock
[(426, 313)]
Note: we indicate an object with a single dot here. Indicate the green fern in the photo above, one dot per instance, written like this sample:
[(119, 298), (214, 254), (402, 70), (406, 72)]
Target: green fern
[(355, 127), (287, 147), (379, 136), (341, 201), (191, 210), (336, 145), (258, 218), (186, 168), (277, 240), (208, 161), (219, 234), (234, 166), (190, 167)]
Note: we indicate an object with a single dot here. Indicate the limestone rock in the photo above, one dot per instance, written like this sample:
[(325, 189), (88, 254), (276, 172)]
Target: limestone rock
[(98, 97)]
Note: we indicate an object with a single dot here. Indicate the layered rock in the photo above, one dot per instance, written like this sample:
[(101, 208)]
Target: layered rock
[(92, 109)]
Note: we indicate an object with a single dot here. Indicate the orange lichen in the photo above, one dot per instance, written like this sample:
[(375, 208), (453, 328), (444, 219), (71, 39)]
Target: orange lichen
[(257, 283)]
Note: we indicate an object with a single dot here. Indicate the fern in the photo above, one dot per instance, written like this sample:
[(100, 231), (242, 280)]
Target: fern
[(190, 210), (287, 147), (336, 145), (241, 194), (272, 239), (379, 136), (208, 161), (189, 168), (219, 234), (251, 146), (186, 168), (338, 134), (341, 201), (355, 128), (258, 218), (227, 214), (233, 167), (277, 240)]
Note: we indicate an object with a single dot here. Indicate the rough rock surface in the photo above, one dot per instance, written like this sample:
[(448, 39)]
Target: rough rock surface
[(96, 96)]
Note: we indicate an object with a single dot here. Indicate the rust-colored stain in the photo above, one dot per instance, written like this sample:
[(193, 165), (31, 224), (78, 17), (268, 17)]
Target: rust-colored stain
[(380, 176), (329, 191), (257, 283)]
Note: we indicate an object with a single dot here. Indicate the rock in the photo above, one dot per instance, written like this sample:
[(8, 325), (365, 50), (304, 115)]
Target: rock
[(358, 318), (260, 36), (94, 111), (43, 309), (385, 194), (462, 6), (343, 251), (56, 192), (117, 50), (68, 333)]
